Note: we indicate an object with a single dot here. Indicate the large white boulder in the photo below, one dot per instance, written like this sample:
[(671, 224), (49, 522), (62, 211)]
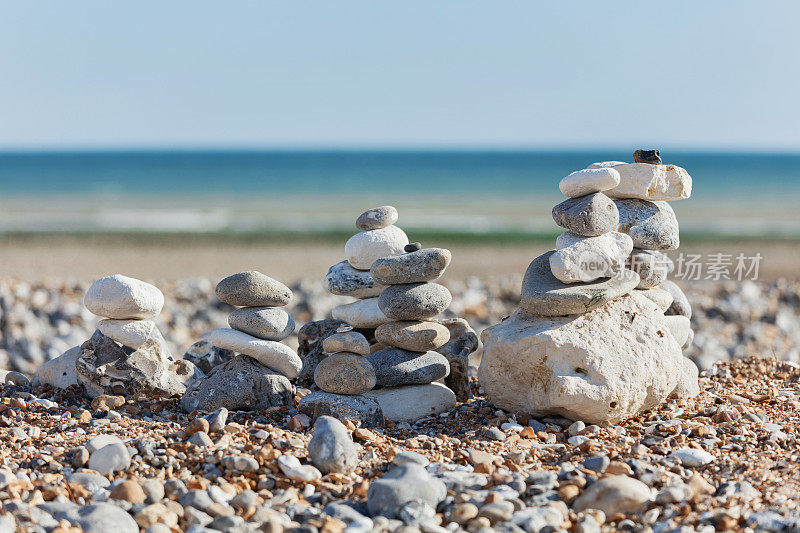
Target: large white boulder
[(606, 365), (366, 247), (589, 258), (651, 182)]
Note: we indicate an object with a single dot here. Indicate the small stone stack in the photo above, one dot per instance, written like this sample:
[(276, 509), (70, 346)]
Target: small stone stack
[(591, 340), (259, 377)]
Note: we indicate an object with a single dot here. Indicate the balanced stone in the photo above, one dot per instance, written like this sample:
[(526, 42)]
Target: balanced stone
[(268, 323), (652, 267), (414, 301), (652, 182), (412, 247), (410, 403), (366, 247), (345, 373), (359, 409), (589, 258), (346, 341), (253, 289), (361, 314), (651, 225), (274, 355), (130, 333), (544, 295), (680, 327), (423, 265), (377, 218), (344, 280), (652, 157), (588, 181), (659, 296), (463, 341), (122, 297), (417, 336), (588, 216), (680, 303), (395, 366)]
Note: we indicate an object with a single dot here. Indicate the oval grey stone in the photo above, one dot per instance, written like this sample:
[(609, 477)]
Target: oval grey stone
[(414, 335), (414, 301), (544, 295), (414, 267), (680, 303), (395, 366), (268, 323), (348, 341), (331, 449), (253, 289), (377, 218), (344, 280), (345, 373), (651, 265), (587, 216), (401, 485), (651, 225)]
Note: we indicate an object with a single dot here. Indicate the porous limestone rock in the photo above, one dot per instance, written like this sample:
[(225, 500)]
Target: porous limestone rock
[(651, 182), (588, 216), (680, 327), (589, 258), (366, 247), (651, 225), (606, 365), (659, 296), (275, 355), (122, 297)]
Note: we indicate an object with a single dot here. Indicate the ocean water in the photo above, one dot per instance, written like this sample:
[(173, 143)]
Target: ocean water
[(470, 191)]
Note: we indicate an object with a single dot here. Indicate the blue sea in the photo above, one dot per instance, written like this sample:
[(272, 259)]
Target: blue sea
[(471, 191)]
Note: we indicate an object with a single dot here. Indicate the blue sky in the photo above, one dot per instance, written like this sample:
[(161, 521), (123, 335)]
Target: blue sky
[(690, 74)]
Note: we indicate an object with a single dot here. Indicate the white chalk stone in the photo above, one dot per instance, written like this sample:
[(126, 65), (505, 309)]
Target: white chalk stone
[(60, 372), (589, 258), (410, 403), (122, 297), (652, 182), (679, 326), (688, 385), (130, 333), (361, 314), (274, 355), (588, 181), (606, 164), (660, 297), (366, 247)]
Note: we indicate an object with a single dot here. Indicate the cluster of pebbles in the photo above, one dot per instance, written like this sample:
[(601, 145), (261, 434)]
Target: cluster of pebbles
[(592, 340)]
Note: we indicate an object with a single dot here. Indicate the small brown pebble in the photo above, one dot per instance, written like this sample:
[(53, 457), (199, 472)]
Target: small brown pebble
[(462, 513), (568, 493), (104, 402), (364, 434), (527, 433), (484, 468), (128, 490), (617, 467), (198, 424)]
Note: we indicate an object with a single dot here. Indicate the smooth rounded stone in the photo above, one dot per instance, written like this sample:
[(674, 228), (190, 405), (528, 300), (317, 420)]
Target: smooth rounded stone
[(274, 355), (344, 280), (614, 494), (680, 303), (413, 335), (361, 314), (401, 485), (652, 182), (99, 518), (253, 289), (395, 366), (345, 373), (544, 295), (366, 247), (11, 377), (412, 402), (692, 457), (346, 341), (463, 341), (651, 265), (588, 216), (331, 449), (122, 297), (658, 296), (267, 323), (586, 259), (407, 457), (310, 338), (241, 384), (651, 225), (679, 326), (111, 458), (291, 468), (360, 409), (377, 218), (588, 181), (689, 340), (60, 372), (412, 247), (652, 157), (130, 333), (414, 267), (414, 301), (101, 441), (609, 364), (688, 385)]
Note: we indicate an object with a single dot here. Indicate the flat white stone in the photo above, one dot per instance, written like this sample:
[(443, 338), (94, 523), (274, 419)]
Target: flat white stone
[(361, 314), (60, 372), (652, 182), (588, 181), (122, 297), (130, 333), (606, 164), (679, 326), (660, 297), (412, 402), (366, 247), (589, 258), (274, 355)]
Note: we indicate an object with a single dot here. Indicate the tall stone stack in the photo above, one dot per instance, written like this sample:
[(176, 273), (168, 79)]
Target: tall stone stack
[(259, 377), (591, 340)]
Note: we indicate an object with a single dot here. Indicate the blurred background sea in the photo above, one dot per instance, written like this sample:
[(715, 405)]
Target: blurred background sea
[(466, 195)]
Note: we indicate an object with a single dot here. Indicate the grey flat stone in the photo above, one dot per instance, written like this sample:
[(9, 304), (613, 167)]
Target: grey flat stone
[(359, 409), (346, 341), (377, 218), (394, 367), (651, 225), (587, 216), (344, 280), (268, 323), (252, 289), (415, 267), (414, 301), (544, 295)]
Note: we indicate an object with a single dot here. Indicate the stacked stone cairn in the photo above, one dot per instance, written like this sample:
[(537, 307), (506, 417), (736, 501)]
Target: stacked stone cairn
[(594, 339), (127, 355), (257, 378)]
